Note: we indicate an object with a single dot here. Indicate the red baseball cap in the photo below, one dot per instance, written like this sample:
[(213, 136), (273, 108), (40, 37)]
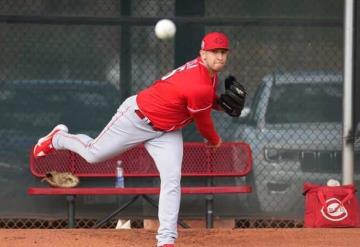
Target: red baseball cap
[(215, 40)]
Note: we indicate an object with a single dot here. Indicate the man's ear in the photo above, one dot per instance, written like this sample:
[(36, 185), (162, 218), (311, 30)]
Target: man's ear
[(202, 54)]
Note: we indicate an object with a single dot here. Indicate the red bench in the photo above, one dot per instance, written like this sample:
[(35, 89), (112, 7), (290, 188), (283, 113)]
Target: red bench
[(232, 159)]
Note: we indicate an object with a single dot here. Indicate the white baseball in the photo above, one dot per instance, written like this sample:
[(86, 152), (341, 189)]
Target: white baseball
[(165, 29)]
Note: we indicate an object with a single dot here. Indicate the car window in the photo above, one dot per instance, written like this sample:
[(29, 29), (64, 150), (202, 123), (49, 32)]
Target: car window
[(298, 103), (254, 107), (34, 106)]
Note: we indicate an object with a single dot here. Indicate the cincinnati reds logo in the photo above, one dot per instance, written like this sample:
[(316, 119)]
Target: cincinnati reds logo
[(334, 210), (219, 41)]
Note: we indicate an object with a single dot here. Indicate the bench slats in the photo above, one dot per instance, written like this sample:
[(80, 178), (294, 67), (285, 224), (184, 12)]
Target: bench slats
[(136, 190), (230, 159)]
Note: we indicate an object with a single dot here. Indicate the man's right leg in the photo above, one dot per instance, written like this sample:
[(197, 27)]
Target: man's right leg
[(124, 131)]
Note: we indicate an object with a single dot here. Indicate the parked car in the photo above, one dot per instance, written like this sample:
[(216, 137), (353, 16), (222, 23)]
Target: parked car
[(294, 126), (29, 109)]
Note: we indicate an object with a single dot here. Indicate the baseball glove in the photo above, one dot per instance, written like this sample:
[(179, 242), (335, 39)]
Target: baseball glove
[(233, 100), (61, 179)]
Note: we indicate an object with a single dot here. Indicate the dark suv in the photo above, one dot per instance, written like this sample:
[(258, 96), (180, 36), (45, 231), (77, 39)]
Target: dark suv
[(30, 108)]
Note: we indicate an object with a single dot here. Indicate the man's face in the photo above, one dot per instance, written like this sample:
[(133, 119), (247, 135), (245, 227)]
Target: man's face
[(214, 60)]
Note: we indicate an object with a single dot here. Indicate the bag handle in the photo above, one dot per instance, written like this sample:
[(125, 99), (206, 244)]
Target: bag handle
[(349, 196)]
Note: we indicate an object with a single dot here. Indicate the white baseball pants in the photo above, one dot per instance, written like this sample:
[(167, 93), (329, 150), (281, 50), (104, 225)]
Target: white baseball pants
[(124, 131)]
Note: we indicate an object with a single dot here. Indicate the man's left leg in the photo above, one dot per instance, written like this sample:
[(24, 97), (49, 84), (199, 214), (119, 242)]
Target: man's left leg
[(167, 152)]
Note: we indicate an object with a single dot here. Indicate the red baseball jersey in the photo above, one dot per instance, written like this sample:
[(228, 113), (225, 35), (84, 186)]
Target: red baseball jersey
[(187, 93)]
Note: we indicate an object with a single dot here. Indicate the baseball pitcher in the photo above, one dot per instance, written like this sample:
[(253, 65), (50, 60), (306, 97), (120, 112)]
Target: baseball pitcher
[(155, 117)]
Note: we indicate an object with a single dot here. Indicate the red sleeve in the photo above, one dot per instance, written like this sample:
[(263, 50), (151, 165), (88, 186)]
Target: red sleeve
[(199, 99), (205, 126), (215, 105), (199, 104)]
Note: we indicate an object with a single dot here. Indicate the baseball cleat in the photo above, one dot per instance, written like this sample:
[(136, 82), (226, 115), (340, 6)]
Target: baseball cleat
[(44, 145), (168, 245)]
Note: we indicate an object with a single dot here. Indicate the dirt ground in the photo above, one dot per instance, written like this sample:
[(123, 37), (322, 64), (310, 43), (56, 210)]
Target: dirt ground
[(187, 237)]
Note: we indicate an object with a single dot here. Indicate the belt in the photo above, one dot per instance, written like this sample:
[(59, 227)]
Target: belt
[(142, 116)]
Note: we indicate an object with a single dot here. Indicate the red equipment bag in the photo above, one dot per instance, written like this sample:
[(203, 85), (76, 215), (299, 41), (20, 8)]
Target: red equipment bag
[(331, 206)]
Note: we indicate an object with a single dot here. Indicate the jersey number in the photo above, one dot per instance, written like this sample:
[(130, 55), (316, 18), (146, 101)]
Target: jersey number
[(188, 65)]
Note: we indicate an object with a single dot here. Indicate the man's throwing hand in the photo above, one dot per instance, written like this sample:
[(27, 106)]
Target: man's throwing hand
[(214, 146)]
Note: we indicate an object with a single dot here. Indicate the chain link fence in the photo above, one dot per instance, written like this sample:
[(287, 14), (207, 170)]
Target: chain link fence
[(87, 223), (74, 62)]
